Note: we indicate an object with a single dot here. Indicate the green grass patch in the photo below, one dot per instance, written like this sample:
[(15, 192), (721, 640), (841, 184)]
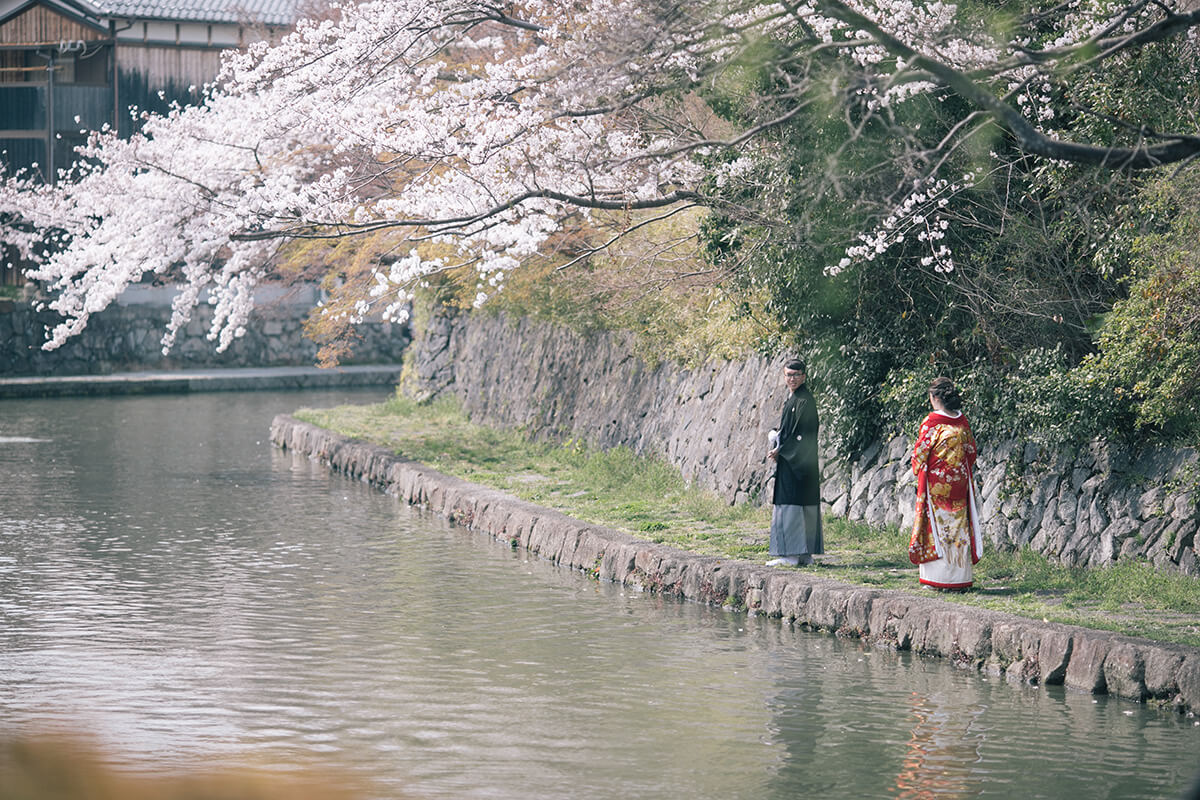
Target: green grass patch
[(615, 488), (648, 498)]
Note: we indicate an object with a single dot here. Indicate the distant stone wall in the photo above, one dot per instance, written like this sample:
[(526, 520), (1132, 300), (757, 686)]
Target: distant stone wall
[(127, 337), (1092, 506)]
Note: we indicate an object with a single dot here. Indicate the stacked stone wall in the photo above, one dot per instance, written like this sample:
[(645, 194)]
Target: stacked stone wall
[(1094, 505), (125, 338)]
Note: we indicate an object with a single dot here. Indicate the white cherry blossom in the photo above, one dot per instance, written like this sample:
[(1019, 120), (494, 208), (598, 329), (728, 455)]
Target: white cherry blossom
[(477, 134)]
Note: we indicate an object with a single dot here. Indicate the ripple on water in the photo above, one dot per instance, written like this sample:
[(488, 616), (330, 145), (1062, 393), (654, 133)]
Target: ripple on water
[(190, 596)]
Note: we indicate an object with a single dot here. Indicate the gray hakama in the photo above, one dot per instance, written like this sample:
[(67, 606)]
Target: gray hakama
[(796, 531)]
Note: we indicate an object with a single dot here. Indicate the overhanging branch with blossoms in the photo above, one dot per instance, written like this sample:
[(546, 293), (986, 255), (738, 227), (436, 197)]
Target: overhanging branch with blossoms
[(489, 130)]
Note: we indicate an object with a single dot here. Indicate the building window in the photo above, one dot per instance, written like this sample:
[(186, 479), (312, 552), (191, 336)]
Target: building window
[(21, 66), (91, 68)]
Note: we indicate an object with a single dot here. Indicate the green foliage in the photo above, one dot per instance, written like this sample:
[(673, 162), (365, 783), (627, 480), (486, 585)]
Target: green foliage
[(846, 383), (1060, 404), (905, 399), (1033, 322), (1149, 345), (1043, 398)]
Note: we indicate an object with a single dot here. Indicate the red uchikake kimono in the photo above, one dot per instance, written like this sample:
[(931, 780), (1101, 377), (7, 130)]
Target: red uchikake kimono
[(946, 538)]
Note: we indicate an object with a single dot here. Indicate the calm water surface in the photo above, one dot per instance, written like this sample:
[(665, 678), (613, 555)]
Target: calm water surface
[(187, 595)]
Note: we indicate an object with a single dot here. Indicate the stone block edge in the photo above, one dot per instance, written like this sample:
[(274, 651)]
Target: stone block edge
[(1018, 649)]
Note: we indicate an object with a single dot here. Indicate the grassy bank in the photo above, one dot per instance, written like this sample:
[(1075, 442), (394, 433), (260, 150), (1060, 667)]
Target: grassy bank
[(649, 499)]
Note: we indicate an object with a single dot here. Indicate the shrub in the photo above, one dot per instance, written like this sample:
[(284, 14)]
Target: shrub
[(1149, 345)]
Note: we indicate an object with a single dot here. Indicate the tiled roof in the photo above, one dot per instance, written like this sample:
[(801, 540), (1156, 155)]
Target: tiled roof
[(269, 12)]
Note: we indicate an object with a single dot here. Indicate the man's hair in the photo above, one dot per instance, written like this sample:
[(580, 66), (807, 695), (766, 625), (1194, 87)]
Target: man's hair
[(796, 364)]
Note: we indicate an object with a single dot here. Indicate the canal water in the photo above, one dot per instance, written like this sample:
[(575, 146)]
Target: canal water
[(186, 595)]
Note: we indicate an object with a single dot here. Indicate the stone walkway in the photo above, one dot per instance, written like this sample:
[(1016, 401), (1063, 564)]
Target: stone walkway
[(204, 380)]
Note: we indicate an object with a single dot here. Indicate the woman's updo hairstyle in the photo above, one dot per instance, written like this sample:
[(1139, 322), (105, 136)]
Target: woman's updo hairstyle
[(945, 392)]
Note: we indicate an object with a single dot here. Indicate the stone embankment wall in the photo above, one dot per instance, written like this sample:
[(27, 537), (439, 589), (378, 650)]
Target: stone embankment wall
[(1092, 506), (127, 337), (1021, 650)]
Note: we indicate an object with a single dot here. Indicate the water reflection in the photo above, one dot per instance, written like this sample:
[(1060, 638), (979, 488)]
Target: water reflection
[(171, 584), (942, 749)]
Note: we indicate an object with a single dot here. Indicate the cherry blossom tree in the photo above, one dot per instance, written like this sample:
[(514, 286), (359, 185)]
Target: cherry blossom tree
[(479, 134)]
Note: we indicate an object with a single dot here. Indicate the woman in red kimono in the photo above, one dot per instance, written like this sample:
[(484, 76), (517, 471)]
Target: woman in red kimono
[(946, 539)]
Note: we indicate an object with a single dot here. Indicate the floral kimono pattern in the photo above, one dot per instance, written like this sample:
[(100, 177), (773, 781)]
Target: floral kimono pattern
[(946, 538)]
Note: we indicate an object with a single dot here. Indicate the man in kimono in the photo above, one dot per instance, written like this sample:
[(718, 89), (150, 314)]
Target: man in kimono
[(796, 518)]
